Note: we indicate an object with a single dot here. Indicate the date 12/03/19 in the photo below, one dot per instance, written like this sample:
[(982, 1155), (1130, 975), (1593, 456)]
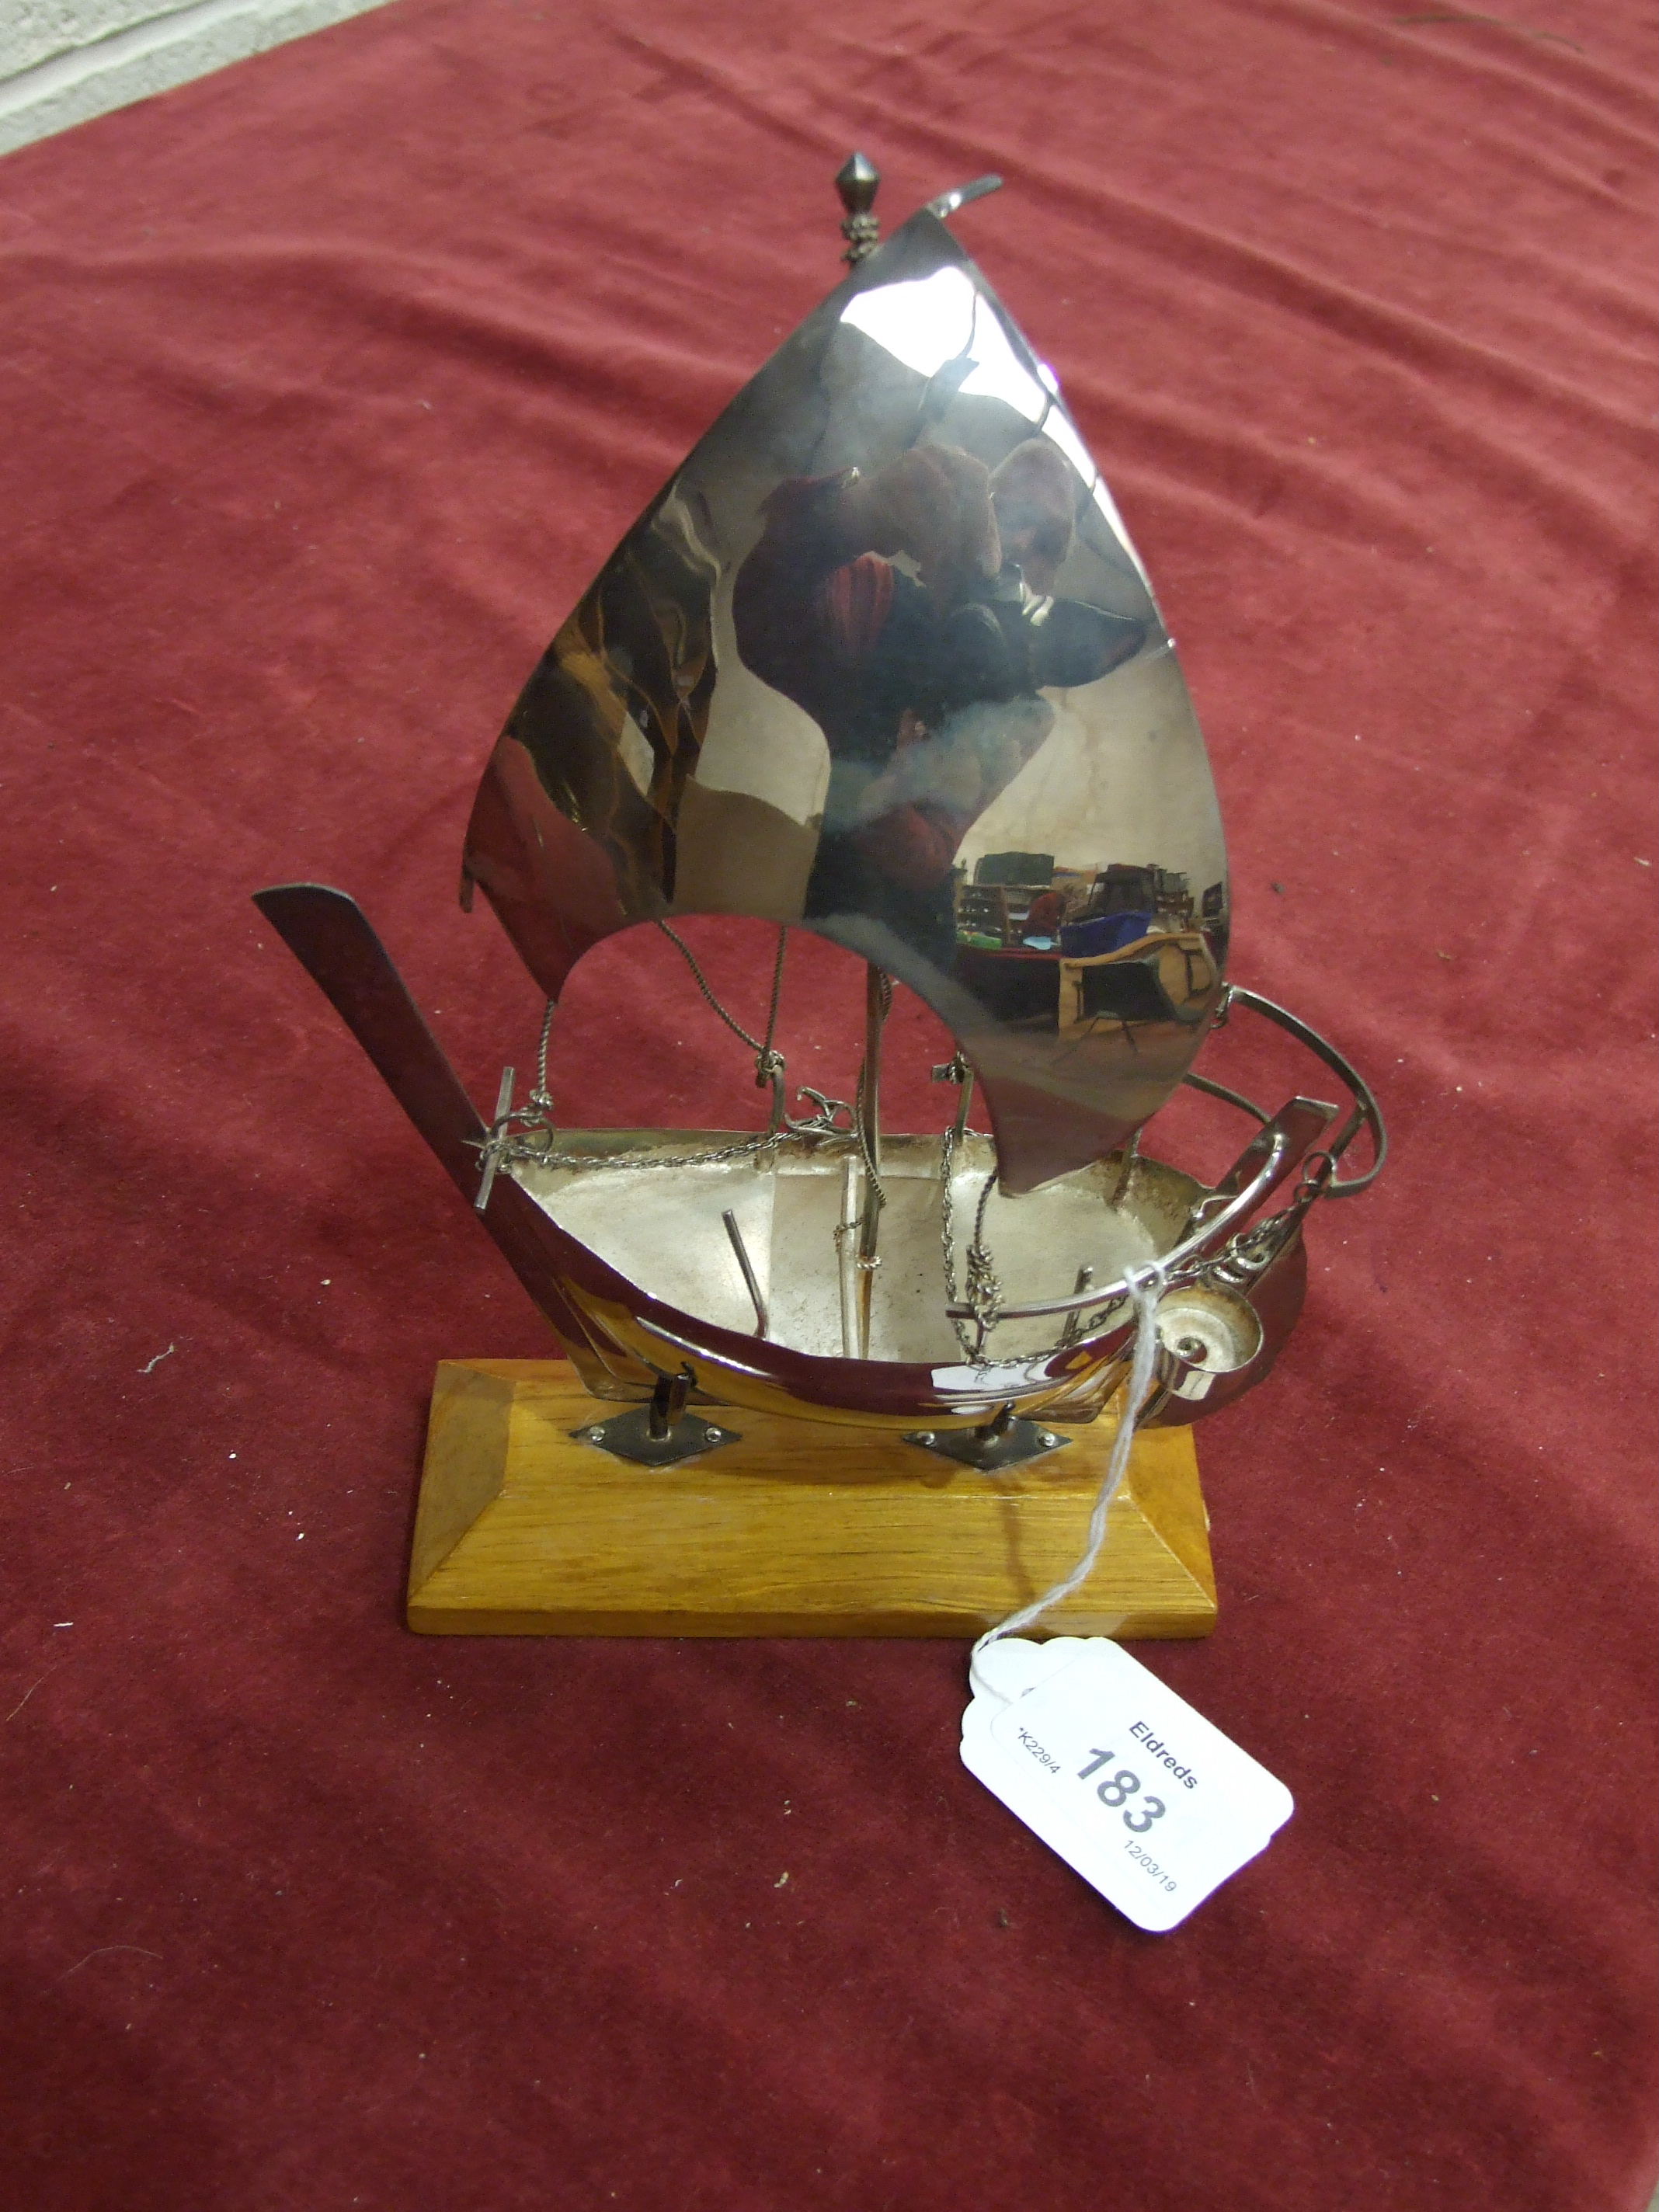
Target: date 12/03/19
[(1118, 1788)]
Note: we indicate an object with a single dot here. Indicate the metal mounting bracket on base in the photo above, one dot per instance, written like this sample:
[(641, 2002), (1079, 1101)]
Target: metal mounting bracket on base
[(1004, 1443), (660, 1433)]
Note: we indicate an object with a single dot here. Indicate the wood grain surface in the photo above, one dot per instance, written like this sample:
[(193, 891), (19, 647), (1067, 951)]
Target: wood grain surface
[(800, 1528)]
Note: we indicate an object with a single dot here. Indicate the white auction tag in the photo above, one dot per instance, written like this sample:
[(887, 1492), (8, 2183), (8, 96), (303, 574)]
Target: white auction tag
[(1149, 1802)]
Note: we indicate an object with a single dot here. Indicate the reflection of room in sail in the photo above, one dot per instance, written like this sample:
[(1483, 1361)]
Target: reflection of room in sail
[(942, 327), (882, 622), (891, 376), (897, 609), (1123, 771), (1043, 947)]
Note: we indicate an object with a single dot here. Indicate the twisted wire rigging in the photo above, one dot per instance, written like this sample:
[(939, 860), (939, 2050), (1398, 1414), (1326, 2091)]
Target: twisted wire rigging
[(523, 1135), (763, 1046)]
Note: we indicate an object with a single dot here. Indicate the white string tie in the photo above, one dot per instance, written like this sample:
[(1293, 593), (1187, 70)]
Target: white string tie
[(1146, 1287)]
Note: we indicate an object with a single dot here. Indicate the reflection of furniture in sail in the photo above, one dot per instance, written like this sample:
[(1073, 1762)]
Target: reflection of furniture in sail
[(1014, 984), (998, 900), (1159, 978), (983, 910), (1099, 934), (998, 910), (1024, 869), (1215, 921)]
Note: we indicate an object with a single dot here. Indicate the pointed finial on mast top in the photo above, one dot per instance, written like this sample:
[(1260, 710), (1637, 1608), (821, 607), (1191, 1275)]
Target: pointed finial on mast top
[(857, 184)]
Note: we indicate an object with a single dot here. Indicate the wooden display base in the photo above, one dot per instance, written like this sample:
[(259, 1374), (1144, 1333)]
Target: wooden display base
[(800, 1528)]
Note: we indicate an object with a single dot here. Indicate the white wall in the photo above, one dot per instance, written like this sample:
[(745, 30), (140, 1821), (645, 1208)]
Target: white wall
[(61, 61)]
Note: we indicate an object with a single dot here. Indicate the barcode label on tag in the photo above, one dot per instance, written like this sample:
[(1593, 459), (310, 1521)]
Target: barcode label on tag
[(1147, 1800)]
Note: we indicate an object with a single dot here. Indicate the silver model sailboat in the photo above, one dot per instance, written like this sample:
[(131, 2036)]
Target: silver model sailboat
[(880, 666)]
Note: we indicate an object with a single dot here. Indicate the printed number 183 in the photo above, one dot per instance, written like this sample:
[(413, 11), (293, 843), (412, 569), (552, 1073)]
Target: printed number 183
[(1118, 1788)]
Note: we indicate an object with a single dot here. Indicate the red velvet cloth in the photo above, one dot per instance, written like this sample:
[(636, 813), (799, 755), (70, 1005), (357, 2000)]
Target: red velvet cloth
[(329, 382)]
